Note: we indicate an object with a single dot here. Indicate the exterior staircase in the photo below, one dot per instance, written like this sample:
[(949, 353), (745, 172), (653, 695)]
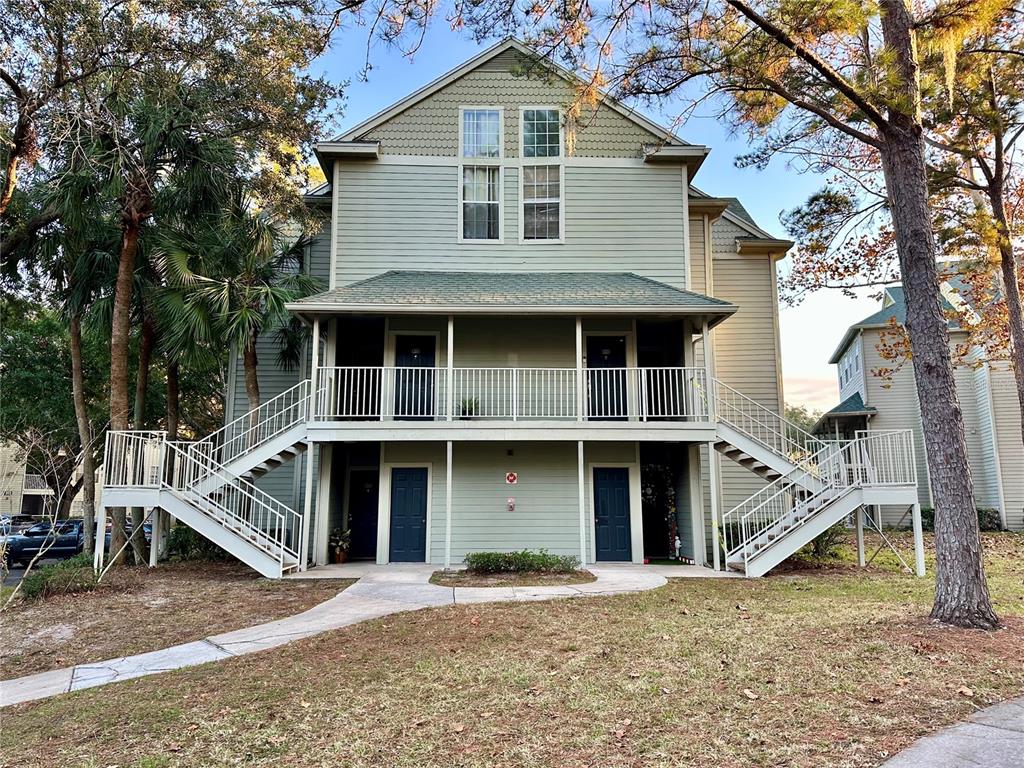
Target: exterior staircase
[(813, 484)]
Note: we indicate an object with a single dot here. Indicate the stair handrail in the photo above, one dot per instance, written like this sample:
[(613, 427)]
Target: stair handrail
[(838, 467), (263, 423), (191, 467), (793, 442), (821, 469)]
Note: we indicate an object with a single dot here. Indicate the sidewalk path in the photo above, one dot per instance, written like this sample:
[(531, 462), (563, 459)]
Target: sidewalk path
[(378, 593), (993, 738)]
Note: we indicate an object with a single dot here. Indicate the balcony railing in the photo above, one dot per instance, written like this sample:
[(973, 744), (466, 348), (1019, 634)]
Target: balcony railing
[(511, 394)]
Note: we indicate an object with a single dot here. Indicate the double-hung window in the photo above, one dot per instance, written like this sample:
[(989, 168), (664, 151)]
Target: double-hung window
[(480, 150), (541, 173)]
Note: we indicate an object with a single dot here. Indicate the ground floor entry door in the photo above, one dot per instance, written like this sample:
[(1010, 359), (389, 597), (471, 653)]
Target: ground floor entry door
[(362, 513), (408, 539), (611, 514)]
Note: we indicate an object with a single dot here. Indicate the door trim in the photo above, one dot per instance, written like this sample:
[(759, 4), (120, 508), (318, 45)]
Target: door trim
[(636, 514), (389, 346), (384, 507)]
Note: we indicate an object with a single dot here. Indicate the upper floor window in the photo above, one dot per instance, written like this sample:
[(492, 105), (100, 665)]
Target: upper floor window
[(481, 132), (541, 176), (480, 177), (542, 133)]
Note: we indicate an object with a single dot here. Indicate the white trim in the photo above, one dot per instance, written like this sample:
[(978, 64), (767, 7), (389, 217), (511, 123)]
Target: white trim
[(384, 507), (478, 309), (323, 498), (448, 461), (389, 344), (500, 239), (687, 276), (989, 376), (581, 470), (332, 279), (451, 161), (636, 513)]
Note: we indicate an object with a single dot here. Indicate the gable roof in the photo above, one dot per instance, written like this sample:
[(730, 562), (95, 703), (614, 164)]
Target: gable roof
[(426, 292), (894, 307), (483, 57)]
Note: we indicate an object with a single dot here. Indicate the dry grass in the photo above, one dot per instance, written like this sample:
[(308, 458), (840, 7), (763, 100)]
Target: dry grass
[(524, 579), (138, 609), (831, 667)]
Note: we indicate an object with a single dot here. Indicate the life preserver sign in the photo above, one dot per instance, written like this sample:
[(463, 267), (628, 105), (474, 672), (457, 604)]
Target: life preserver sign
[(511, 478)]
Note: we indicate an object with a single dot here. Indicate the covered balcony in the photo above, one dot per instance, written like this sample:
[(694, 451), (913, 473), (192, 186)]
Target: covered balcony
[(409, 355)]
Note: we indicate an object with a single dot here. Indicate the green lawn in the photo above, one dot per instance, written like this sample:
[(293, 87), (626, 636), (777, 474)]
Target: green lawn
[(812, 667)]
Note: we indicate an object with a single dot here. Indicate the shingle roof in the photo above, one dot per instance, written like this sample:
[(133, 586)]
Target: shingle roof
[(510, 291), (896, 309), (851, 406)]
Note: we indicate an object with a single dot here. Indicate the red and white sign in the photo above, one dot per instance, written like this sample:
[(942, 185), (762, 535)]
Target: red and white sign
[(511, 478)]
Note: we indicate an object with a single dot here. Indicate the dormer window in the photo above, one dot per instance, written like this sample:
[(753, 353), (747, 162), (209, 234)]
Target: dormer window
[(541, 177), (480, 176)]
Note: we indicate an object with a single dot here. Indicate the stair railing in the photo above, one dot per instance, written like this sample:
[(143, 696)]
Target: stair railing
[(236, 504), (265, 422), (872, 459), (764, 425)]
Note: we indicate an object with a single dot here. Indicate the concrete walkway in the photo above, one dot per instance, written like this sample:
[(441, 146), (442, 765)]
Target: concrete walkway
[(380, 591), (993, 738)]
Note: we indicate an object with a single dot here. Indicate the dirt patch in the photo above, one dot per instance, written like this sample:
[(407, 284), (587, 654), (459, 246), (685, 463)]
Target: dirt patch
[(525, 579), (140, 609)]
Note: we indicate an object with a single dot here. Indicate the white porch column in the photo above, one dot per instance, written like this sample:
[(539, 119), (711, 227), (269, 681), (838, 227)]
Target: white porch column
[(314, 405), (101, 538), (580, 384), (307, 507), (709, 368), (858, 517), (583, 499), (700, 550), (450, 384), (154, 538), (918, 542), (715, 519), (448, 501), (323, 500)]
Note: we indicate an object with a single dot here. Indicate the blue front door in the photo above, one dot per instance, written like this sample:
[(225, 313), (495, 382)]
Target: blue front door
[(408, 541), (415, 357), (611, 513)]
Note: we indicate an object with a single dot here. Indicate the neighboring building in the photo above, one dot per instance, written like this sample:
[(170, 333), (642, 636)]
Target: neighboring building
[(21, 492), (514, 339), (988, 399)]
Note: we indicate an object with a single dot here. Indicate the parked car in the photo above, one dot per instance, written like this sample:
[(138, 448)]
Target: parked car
[(62, 539), (147, 531)]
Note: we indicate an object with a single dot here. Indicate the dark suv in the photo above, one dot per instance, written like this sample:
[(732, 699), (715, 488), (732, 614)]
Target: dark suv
[(62, 539)]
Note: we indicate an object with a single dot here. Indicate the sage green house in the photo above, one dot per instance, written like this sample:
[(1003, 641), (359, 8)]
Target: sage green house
[(535, 332)]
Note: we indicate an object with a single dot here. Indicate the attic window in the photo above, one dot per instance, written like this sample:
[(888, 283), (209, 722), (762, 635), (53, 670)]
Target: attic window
[(481, 133), (542, 133)]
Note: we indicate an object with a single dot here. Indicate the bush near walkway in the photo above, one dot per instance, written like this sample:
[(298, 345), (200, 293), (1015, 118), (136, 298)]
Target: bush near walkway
[(824, 666)]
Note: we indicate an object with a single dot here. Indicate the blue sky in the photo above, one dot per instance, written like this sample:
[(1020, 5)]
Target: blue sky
[(810, 331)]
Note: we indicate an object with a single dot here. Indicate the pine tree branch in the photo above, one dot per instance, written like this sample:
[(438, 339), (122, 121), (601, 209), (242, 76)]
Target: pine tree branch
[(820, 111), (823, 68)]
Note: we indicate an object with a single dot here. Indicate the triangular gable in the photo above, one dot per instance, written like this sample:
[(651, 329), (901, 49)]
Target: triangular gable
[(370, 128)]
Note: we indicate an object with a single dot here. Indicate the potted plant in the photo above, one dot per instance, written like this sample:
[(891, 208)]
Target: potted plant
[(339, 543), (469, 407)]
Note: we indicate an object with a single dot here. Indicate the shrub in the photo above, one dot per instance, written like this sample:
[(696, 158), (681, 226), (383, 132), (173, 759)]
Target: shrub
[(988, 519), (827, 543), (65, 578), (183, 543), (519, 562)]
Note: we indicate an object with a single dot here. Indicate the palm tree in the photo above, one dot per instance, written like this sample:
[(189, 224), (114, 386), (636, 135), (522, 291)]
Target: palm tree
[(234, 273)]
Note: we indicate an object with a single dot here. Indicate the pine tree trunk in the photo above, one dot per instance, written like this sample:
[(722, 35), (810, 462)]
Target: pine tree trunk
[(119, 341), (84, 437), (961, 592), (1010, 271), (147, 342)]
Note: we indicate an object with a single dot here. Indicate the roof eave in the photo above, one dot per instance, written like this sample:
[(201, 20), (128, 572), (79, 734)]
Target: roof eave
[(690, 155), (328, 151), (763, 246), (713, 207)]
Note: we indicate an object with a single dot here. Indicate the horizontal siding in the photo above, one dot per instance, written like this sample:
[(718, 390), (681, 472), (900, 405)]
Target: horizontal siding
[(431, 127), (406, 217), (986, 469), (1011, 450)]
